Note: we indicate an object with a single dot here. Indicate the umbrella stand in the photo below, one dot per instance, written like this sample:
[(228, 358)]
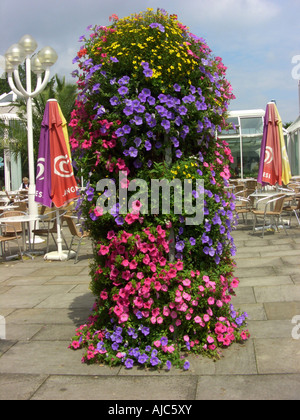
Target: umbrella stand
[(60, 254)]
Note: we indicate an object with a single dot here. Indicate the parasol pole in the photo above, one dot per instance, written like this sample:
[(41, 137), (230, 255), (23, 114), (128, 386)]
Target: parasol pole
[(60, 254)]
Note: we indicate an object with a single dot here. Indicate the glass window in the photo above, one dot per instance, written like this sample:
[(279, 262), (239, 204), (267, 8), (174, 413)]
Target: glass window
[(234, 145), (251, 156), (296, 169), (252, 125), (231, 131)]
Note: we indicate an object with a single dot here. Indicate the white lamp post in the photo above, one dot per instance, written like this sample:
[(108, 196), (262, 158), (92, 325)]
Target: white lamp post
[(39, 64)]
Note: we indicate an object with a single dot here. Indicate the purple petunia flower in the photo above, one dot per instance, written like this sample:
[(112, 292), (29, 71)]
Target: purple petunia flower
[(123, 90), (162, 98), (148, 145), (143, 358), (200, 127), (164, 341), (175, 141), (126, 129), (93, 217), (145, 331), (137, 164), (188, 99), (146, 92), (178, 153), (148, 72), (161, 110), (96, 88), (160, 27), (119, 220), (114, 101), (186, 365), (119, 132), (137, 120), (205, 239), (139, 315), (192, 241), (133, 152), (115, 346), (137, 141), (151, 100), (128, 363), (124, 80), (154, 361), (168, 364), (182, 110), (179, 246), (128, 110), (176, 87), (166, 124), (178, 121)]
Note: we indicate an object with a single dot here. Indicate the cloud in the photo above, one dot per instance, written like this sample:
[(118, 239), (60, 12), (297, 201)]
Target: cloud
[(256, 38)]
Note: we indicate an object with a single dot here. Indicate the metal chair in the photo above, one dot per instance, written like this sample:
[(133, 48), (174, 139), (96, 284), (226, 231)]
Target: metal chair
[(244, 203), (274, 213), (293, 208), (10, 232), (49, 221), (76, 232)]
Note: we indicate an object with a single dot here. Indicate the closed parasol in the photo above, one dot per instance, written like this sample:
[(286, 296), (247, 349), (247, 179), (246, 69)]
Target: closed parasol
[(56, 185)]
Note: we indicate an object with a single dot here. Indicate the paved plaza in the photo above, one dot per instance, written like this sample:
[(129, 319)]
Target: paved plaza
[(42, 302)]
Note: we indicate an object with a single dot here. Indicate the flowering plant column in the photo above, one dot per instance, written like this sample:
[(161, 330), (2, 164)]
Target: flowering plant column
[(152, 101)]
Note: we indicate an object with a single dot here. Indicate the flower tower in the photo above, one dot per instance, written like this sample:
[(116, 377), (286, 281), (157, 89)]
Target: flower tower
[(151, 101)]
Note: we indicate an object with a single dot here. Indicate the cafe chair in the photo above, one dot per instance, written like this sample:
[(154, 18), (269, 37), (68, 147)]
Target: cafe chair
[(21, 205), (244, 203), (48, 227), (76, 232), (293, 209), (11, 231), (272, 210)]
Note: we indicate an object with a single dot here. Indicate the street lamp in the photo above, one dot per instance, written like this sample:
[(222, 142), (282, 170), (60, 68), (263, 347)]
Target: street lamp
[(39, 64)]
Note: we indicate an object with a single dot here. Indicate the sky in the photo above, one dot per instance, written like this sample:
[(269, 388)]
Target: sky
[(258, 40)]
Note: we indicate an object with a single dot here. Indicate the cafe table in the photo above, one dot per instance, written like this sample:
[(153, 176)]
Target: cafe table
[(271, 195), (7, 208), (24, 220)]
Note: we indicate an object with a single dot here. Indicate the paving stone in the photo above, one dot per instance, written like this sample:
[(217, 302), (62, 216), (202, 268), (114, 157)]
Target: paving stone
[(248, 387), (258, 262), (243, 295), (270, 328), (257, 272), (48, 357), (66, 301), (78, 279), (118, 388), (280, 293), (27, 280), (29, 296), (49, 316), (281, 310), (255, 311), (239, 359), (277, 355), (265, 281), (19, 387)]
